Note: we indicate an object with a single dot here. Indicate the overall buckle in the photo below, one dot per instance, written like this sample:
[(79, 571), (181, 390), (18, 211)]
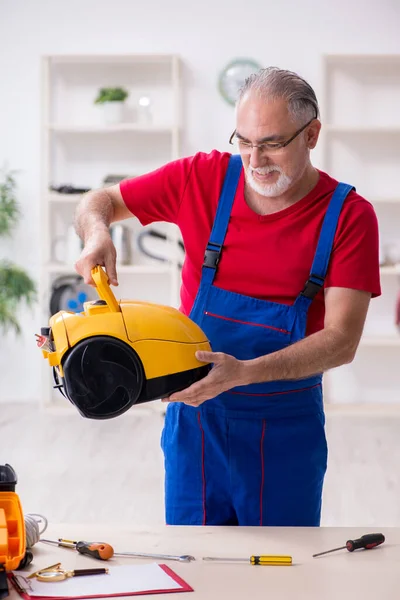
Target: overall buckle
[(311, 287), (212, 257)]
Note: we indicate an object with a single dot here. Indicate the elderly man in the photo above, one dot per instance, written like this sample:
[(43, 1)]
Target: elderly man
[(281, 264)]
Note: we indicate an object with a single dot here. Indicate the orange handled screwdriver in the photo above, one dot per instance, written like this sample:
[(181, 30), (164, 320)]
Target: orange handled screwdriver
[(368, 541), (103, 551), (98, 550)]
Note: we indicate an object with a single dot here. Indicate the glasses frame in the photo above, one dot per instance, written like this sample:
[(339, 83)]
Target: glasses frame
[(279, 145)]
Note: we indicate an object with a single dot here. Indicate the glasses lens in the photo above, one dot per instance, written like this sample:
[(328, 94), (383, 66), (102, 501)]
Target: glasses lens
[(246, 148)]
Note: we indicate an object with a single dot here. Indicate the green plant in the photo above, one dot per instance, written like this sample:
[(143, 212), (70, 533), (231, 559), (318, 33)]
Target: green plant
[(15, 284), (117, 94)]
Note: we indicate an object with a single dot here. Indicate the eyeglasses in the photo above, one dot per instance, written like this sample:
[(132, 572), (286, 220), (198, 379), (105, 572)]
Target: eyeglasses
[(266, 147)]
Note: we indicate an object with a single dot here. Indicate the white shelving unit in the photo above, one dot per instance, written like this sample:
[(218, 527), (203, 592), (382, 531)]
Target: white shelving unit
[(80, 149), (361, 145)]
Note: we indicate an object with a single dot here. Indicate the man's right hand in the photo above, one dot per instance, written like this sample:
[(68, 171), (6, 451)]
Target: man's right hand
[(99, 250)]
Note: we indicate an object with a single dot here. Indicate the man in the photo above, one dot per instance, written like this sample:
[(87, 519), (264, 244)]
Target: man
[(281, 263)]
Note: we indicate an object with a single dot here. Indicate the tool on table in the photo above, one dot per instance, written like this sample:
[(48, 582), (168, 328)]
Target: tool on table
[(367, 541), (98, 550), (104, 551), (56, 573), (13, 550), (181, 558), (262, 560), (50, 568)]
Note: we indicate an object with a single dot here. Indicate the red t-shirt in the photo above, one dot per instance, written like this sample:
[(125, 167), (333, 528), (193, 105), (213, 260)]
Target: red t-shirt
[(269, 256)]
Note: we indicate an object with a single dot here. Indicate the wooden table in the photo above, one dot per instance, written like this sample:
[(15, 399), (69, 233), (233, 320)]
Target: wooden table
[(361, 575)]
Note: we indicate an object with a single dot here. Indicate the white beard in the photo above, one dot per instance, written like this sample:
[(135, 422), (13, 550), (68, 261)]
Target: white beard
[(269, 190)]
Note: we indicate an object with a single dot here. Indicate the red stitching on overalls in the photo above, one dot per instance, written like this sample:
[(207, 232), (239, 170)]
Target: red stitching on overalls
[(209, 314), (276, 393), (203, 469), (262, 472)]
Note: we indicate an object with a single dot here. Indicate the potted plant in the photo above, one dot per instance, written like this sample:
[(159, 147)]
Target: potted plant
[(15, 284), (112, 99)]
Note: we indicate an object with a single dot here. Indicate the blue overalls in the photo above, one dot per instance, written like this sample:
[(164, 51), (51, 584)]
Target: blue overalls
[(255, 455)]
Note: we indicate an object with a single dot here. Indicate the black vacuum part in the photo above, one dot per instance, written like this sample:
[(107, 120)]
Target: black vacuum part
[(8, 478), (26, 561), (4, 591), (103, 377)]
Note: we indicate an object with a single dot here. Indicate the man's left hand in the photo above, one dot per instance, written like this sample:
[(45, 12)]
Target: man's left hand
[(226, 374)]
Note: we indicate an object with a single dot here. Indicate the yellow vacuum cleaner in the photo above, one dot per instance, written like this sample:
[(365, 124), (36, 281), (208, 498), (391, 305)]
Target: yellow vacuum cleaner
[(117, 354)]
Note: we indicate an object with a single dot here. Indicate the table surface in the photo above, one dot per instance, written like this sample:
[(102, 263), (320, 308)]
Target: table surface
[(363, 574)]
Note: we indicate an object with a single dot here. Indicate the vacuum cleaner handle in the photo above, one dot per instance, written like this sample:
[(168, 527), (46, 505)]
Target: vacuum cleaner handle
[(103, 289)]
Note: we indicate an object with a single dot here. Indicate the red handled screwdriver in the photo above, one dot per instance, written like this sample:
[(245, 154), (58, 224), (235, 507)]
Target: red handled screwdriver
[(368, 541)]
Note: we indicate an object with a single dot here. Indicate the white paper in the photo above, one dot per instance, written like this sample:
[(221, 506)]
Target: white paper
[(125, 579)]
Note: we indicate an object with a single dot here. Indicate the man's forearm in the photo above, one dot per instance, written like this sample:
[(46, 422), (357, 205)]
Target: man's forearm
[(315, 354), (95, 211)]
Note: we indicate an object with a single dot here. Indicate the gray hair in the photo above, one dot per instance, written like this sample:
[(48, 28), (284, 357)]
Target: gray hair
[(274, 83)]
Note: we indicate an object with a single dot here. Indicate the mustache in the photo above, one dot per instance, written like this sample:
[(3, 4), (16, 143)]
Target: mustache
[(265, 170)]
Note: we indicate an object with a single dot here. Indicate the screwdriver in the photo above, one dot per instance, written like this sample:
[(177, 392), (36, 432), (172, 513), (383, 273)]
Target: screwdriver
[(262, 560), (368, 541), (103, 551), (98, 550)]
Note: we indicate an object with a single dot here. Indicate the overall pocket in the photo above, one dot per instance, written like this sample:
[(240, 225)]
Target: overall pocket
[(245, 338)]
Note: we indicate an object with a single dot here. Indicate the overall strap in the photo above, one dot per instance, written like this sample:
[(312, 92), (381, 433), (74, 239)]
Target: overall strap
[(215, 243), (325, 243)]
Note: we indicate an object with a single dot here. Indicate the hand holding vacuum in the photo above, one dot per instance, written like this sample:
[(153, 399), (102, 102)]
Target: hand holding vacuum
[(99, 250)]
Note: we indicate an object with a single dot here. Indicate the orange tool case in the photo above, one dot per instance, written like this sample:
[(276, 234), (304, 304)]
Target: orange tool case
[(12, 527)]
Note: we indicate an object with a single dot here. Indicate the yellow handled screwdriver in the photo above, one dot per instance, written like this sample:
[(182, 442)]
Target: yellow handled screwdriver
[(262, 560)]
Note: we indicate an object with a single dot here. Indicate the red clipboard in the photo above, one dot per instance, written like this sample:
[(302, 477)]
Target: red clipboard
[(184, 587)]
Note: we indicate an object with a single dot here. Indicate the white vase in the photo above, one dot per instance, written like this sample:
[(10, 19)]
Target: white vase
[(113, 112)]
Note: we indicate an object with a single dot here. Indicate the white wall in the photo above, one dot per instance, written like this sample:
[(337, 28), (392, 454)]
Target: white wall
[(206, 35)]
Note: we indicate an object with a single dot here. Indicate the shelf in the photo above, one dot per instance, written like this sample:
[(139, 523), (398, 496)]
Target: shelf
[(119, 128), (57, 198), (380, 341), (111, 59), (385, 200), (362, 130), (64, 198), (365, 59), (121, 269), (390, 270), (361, 409)]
